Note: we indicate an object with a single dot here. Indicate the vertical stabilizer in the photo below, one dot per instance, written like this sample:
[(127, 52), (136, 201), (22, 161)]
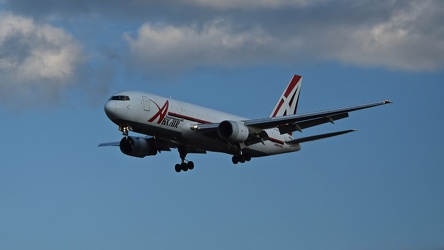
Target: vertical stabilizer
[(288, 103)]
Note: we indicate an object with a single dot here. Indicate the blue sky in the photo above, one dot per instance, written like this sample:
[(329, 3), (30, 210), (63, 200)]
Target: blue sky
[(378, 188)]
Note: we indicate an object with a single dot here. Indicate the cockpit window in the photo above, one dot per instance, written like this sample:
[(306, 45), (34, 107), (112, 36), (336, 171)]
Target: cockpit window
[(120, 98)]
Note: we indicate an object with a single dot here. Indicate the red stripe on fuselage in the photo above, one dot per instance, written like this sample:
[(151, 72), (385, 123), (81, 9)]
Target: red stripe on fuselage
[(188, 118), (276, 141)]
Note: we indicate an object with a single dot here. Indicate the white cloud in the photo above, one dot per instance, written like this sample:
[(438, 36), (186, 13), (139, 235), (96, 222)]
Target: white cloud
[(216, 43), (399, 42), (402, 37), (36, 60)]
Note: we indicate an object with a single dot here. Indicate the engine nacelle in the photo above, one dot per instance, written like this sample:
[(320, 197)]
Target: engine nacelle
[(137, 147), (233, 131)]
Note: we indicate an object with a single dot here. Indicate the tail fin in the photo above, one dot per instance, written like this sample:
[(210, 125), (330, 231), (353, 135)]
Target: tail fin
[(288, 103)]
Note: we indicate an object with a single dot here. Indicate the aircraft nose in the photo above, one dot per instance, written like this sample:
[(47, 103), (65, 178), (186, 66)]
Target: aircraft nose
[(110, 109)]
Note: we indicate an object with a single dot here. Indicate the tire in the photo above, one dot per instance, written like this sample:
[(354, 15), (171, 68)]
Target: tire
[(235, 159), (184, 167), (190, 165), (177, 168)]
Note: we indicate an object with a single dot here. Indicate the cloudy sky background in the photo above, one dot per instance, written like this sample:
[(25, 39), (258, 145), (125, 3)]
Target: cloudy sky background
[(379, 188), (50, 46)]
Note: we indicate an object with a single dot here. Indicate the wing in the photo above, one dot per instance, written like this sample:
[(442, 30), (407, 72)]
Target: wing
[(290, 123), (298, 122)]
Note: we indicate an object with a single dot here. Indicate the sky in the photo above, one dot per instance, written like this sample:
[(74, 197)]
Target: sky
[(381, 187)]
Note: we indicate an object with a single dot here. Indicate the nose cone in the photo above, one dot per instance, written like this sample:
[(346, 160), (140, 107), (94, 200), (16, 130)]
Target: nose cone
[(110, 109)]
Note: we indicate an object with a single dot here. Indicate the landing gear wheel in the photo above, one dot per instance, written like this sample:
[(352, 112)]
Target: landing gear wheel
[(247, 157), (190, 165), (235, 159), (241, 159), (184, 166), (177, 168)]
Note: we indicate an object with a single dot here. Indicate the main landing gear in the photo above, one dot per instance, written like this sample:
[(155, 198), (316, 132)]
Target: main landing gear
[(242, 157), (185, 165)]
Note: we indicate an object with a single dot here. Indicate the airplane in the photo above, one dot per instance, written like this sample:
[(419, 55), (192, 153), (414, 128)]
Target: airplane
[(168, 123)]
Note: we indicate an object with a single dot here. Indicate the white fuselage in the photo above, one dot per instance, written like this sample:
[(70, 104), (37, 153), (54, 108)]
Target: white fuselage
[(173, 120)]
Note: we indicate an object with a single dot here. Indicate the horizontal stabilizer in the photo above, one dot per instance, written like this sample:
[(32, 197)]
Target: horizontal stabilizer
[(318, 137)]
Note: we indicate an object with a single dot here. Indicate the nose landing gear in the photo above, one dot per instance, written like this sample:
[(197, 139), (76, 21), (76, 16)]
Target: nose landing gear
[(124, 129)]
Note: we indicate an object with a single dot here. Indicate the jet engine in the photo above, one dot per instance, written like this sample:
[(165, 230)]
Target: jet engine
[(137, 147), (233, 131)]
